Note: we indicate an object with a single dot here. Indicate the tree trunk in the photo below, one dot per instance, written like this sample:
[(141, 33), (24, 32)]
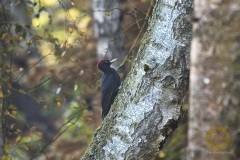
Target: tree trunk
[(2, 119), (215, 81), (107, 16), (149, 105), (4, 101)]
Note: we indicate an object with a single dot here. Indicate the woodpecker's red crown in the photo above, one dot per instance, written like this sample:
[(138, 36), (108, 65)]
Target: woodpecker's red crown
[(102, 60)]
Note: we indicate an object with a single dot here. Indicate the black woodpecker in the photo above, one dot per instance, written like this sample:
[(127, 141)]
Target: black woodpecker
[(109, 85)]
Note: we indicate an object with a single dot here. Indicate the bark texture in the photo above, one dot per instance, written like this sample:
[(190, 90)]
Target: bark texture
[(150, 101), (215, 81), (106, 22)]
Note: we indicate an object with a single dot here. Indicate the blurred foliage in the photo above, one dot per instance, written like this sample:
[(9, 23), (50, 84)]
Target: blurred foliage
[(41, 95)]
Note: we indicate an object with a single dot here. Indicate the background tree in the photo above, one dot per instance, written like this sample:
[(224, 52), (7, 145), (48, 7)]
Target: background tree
[(214, 90), (107, 28), (149, 105)]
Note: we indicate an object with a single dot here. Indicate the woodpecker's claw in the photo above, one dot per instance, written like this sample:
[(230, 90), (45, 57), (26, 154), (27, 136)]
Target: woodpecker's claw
[(113, 60)]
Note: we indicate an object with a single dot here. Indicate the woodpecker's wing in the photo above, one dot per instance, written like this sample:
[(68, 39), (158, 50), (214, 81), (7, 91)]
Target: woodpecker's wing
[(109, 92), (106, 99), (108, 96)]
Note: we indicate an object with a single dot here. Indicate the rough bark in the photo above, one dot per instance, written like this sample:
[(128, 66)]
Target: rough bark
[(106, 22), (149, 105), (215, 81)]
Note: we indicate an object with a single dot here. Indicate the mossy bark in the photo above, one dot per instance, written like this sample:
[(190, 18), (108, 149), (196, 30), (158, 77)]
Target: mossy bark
[(149, 104)]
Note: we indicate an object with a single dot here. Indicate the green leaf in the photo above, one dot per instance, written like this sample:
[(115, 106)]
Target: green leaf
[(26, 139), (29, 2), (18, 28), (42, 9), (24, 33), (37, 15)]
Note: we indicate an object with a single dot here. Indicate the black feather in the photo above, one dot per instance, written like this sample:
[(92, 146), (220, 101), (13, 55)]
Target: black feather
[(109, 86)]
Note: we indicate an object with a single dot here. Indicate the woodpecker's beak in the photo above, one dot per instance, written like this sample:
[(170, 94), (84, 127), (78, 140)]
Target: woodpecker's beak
[(113, 60)]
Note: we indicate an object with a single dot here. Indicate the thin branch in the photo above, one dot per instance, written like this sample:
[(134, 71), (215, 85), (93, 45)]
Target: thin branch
[(138, 37), (60, 133), (33, 65), (38, 85)]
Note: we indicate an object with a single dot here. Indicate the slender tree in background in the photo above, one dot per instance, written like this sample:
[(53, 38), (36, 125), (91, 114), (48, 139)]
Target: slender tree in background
[(215, 82), (149, 105), (2, 120), (107, 28)]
